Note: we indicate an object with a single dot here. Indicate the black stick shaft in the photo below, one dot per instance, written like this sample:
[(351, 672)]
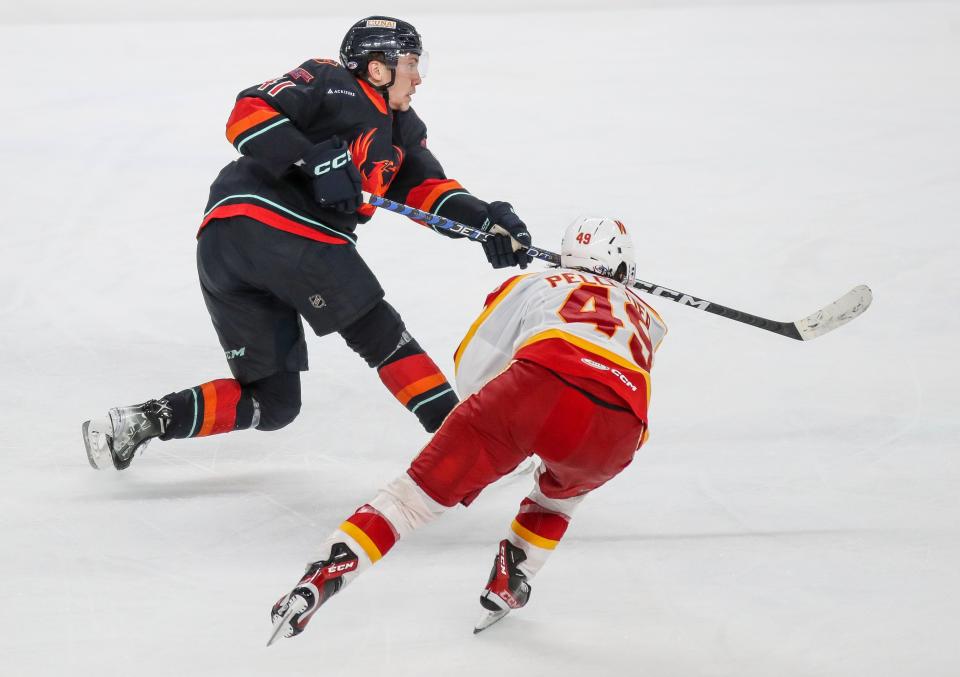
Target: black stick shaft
[(787, 329)]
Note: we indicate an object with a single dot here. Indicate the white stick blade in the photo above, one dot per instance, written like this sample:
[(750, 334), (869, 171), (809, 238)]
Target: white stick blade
[(848, 307)]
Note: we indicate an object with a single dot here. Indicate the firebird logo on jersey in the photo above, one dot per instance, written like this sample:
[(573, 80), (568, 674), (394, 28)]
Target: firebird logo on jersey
[(380, 174)]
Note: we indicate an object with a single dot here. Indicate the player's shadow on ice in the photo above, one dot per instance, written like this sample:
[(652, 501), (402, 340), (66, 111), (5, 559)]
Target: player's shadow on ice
[(707, 535), (141, 487)]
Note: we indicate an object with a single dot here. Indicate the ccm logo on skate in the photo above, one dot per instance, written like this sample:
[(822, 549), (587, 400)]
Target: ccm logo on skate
[(342, 568), (595, 365), (335, 163)]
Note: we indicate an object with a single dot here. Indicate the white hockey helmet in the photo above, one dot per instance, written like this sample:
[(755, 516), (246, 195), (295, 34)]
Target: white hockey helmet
[(599, 245)]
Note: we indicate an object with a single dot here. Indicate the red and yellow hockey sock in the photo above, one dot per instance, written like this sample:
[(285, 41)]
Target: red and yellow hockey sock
[(371, 531), (538, 525)]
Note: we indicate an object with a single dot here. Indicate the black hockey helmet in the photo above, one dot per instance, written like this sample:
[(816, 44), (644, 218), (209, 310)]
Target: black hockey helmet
[(384, 34)]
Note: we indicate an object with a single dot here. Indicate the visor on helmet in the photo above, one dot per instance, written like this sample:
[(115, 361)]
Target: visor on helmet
[(412, 65)]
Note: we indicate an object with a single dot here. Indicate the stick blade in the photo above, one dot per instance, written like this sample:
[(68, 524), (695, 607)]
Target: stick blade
[(846, 308)]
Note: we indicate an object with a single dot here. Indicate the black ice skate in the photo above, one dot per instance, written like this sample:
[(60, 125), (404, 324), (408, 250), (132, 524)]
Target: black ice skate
[(322, 581), (507, 588), (125, 431)]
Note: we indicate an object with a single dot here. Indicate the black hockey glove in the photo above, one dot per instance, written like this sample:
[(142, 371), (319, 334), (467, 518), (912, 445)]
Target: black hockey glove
[(336, 181), (509, 233)]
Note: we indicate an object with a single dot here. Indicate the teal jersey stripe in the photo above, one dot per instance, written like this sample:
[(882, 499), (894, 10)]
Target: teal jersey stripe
[(436, 207), (292, 213), (431, 399), (265, 129)]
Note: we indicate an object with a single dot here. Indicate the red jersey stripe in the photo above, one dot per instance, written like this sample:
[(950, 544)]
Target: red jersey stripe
[(424, 196), (247, 113), (270, 218)]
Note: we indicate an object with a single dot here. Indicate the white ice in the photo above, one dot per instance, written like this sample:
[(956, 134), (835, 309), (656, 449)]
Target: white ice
[(796, 509)]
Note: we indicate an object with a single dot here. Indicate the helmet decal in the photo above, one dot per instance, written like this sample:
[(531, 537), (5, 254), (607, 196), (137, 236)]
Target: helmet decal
[(599, 245)]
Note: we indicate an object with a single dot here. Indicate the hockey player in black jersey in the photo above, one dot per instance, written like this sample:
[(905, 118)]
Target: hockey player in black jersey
[(277, 243)]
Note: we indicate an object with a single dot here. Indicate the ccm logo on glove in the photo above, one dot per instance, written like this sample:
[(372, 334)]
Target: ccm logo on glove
[(335, 180), (335, 163)]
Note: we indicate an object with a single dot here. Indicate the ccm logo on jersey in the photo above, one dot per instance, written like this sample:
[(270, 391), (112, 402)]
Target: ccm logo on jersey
[(623, 379), (341, 568), (335, 163), (616, 372)]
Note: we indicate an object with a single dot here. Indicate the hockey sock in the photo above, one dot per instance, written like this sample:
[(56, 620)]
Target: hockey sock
[(539, 526), (215, 407), (375, 527), (418, 384)]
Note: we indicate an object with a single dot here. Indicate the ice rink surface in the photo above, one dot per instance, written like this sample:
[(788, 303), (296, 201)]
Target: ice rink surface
[(796, 509)]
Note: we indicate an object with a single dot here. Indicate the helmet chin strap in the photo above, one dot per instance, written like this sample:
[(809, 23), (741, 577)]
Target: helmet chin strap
[(382, 88)]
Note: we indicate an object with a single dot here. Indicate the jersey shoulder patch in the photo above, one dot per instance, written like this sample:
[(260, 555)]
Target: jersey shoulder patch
[(326, 62)]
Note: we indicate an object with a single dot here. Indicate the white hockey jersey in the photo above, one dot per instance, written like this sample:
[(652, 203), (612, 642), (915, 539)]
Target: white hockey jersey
[(572, 323)]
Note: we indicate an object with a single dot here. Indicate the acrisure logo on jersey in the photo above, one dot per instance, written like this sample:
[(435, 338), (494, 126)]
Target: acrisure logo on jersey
[(380, 23), (341, 91), (596, 365)]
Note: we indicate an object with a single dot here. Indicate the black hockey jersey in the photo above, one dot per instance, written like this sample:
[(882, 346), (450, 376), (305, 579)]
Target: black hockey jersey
[(274, 124)]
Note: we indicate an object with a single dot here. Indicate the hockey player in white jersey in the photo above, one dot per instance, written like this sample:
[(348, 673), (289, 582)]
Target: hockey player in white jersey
[(557, 364)]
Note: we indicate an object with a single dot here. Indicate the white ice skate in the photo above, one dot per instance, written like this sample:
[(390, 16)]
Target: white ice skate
[(124, 432)]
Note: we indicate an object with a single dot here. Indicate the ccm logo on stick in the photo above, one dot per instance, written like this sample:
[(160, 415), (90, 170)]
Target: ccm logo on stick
[(335, 163)]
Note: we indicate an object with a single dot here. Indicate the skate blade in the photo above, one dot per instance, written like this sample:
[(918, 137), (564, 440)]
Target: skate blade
[(488, 618), (95, 453), (284, 622)]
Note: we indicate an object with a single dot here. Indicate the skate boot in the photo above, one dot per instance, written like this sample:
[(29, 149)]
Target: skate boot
[(507, 588), (322, 581), (124, 432)]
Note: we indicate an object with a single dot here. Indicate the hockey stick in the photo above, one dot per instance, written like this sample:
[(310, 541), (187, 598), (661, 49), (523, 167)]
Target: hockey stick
[(846, 308)]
